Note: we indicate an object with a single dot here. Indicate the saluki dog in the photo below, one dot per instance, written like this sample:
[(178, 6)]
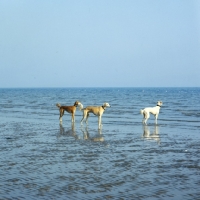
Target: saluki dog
[(96, 110), (69, 109), (153, 110)]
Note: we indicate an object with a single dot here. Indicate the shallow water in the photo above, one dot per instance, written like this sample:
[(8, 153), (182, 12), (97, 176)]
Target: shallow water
[(43, 159)]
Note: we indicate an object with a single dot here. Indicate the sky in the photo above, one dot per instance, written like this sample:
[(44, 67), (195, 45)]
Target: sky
[(99, 43)]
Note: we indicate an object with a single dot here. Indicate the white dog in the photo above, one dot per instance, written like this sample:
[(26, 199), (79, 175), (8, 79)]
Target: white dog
[(96, 110), (153, 110)]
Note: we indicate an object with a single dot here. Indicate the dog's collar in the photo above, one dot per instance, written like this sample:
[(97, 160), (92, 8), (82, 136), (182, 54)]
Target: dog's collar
[(159, 105), (103, 107)]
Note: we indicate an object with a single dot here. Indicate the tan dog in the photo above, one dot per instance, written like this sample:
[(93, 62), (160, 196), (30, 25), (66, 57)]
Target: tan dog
[(96, 110), (69, 109), (153, 110)]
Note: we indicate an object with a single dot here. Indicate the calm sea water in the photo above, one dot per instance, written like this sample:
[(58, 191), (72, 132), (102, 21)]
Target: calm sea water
[(42, 159)]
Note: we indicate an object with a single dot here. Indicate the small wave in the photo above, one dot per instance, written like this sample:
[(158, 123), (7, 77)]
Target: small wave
[(191, 113)]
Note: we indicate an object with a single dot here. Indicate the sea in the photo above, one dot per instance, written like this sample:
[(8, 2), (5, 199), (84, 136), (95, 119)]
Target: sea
[(40, 158)]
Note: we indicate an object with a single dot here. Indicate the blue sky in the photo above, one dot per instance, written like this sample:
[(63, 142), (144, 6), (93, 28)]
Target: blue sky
[(101, 43)]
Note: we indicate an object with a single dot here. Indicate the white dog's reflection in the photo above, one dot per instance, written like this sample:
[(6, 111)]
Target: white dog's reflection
[(96, 138), (152, 135)]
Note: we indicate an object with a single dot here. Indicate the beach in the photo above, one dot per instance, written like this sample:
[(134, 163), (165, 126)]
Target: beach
[(43, 159)]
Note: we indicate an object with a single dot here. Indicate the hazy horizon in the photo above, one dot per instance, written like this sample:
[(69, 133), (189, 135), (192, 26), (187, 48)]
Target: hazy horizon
[(129, 43)]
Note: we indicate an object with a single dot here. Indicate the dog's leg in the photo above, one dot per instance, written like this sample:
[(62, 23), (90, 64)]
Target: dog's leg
[(87, 118), (84, 116), (156, 117), (61, 114), (99, 122), (146, 117), (82, 120), (73, 118)]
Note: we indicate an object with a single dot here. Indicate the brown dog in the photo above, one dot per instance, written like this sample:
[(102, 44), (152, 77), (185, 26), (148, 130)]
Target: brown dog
[(69, 109)]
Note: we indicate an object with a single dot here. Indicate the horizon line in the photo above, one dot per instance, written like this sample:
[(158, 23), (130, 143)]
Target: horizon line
[(100, 87)]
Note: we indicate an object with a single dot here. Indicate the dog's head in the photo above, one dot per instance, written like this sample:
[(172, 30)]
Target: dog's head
[(80, 106), (106, 105), (159, 103), (77, 103)]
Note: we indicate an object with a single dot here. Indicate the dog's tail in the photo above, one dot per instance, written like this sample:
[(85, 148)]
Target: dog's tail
[(141, 112), (58, 105)]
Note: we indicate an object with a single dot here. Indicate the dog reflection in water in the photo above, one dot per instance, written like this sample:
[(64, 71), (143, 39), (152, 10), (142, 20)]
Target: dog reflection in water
[(86, 136), (151, 136), (96, 138), (69, 132)]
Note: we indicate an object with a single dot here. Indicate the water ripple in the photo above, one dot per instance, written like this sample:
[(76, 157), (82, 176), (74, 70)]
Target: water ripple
[(42, 159)]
